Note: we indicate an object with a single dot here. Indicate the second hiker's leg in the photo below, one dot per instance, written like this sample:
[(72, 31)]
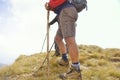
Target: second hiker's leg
[(59, 40), (60, 44)]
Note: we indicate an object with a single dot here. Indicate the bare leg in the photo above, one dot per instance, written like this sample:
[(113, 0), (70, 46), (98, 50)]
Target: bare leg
[(72, 48), (60, 44)]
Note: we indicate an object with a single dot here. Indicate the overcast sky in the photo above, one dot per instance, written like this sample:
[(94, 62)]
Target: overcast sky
[(23, 26)]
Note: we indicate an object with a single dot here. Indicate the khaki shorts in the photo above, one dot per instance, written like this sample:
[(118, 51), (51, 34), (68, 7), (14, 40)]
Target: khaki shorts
[(66, 20)]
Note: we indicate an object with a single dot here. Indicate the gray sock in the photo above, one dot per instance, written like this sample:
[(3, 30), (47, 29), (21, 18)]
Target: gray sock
[(76, 66)]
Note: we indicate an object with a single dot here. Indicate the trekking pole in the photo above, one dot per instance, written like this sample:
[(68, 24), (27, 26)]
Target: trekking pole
[(43, 44), (46, 56), (48, 62), (44, 59)]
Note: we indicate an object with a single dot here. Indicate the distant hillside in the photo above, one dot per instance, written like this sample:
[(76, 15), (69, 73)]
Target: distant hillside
[(1, 65), (96, 64)]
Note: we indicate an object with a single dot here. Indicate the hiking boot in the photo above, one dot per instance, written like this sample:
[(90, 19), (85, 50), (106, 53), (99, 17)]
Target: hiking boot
[(57, 51), (73, 74), (63, 62)]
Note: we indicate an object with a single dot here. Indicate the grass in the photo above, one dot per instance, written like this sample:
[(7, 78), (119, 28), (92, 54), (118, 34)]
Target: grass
[(96, 64)]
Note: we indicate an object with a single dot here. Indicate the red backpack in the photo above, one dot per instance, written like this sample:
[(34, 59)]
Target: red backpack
[(55, 3)]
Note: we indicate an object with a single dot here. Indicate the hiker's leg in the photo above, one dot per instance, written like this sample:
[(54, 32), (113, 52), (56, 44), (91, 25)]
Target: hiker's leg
[(74, 71), (60, 43), (68, 17), (72, 48), (59, 40)]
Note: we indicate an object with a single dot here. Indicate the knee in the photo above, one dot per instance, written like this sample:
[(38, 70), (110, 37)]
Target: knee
[(58, 39), (70, 41)]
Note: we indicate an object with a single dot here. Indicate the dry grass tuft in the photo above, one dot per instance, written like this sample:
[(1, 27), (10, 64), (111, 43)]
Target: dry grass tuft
[(96, 64)]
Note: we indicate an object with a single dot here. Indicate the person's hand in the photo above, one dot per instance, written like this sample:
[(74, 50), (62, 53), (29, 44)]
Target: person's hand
[(47, 6)]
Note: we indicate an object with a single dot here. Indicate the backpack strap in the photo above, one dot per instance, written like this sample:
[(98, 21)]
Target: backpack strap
[(79, 4)]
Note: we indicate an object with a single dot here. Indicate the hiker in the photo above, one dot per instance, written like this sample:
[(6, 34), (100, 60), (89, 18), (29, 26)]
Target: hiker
[(66, 16)]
